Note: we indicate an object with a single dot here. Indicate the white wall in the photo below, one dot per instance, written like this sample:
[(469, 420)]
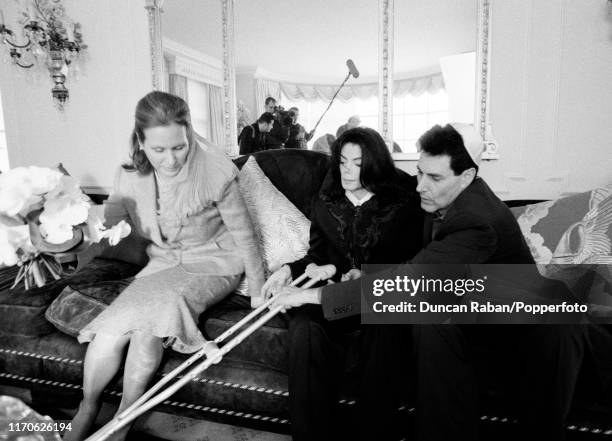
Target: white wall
[(91, 136), (551, 97)]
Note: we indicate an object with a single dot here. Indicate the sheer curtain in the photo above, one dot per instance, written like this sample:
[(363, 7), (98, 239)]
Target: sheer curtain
[(313, 92), (264, 89), (216, 114), (178, 86)]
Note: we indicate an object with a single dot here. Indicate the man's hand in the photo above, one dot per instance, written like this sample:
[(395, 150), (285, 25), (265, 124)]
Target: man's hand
[(291, 297), (281, 277), (309, 135), (212, 351), (353, 274), (256, 302), (320, 272)]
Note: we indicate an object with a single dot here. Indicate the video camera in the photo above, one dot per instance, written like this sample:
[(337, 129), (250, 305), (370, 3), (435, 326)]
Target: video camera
[(285, 117)]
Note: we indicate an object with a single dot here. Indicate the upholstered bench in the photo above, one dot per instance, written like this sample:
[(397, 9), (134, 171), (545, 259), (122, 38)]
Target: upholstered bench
[(249, 387)]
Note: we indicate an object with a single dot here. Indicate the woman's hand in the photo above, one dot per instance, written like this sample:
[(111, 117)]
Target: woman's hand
[(320, 272), (353, 274), (281, 277)]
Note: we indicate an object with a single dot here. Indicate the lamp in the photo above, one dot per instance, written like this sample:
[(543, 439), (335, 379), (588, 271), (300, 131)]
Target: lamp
[(49, 37)]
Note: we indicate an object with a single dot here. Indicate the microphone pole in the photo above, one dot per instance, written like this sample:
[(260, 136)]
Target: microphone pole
[(332, 100)]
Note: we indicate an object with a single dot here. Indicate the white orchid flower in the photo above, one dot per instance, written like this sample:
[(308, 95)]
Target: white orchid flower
[(64, 207), (64, 211), (97, 231), (12, 239), (41, 179), (21, 188), (118, 232), (67, 187), (16, 197), (56, 233), (95, 227)]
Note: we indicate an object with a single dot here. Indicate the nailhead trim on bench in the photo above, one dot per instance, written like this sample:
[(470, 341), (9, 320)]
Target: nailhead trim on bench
[(572, 427), (252, 416), (196, 379), (43, 357), (39, 381), (239, 386)]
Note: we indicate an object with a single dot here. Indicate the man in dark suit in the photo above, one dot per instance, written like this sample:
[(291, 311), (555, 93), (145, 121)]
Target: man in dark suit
[(256, 137), (280, 131), (467, 224)]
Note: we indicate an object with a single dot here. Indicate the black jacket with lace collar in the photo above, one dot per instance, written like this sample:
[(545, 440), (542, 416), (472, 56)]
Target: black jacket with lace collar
[(385, 229)]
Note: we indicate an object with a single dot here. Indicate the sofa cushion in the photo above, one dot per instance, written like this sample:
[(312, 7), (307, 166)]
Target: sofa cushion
[(574, 229), (266, 347), (23, 312), (571, 240), (282, 230), (298, 174)]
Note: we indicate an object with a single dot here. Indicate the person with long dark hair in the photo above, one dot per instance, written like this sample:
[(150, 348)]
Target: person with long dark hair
[(366, 212), (183, 200)]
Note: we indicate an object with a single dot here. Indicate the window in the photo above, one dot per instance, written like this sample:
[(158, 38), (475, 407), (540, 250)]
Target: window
[(412, 116), (198, 98), (337, 115)]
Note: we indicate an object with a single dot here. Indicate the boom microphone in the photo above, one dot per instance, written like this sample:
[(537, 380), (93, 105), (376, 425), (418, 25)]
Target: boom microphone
[(352, 69)]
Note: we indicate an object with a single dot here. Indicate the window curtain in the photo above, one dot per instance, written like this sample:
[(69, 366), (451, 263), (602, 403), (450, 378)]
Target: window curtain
[(264, 89), (215, 95), (313, 92), (418, 86), (178, 86)]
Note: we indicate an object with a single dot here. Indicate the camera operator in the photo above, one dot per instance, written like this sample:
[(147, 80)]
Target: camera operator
[(280, 132), (298, 137), (256, 137)]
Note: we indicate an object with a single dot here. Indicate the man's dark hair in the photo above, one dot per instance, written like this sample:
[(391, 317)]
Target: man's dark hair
[(269, 99), (378, 171), (446, 140), (266, 117)]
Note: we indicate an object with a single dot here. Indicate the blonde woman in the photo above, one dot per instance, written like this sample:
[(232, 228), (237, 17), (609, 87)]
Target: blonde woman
[(184, 200)]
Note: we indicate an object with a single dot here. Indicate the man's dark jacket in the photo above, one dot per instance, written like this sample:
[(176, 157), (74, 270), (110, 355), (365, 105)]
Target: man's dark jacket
[(252, 140), (477, 228)]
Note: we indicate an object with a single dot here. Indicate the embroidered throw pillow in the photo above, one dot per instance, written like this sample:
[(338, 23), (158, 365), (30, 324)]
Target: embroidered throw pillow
[(571, 240), (570, 230), (282, 230)]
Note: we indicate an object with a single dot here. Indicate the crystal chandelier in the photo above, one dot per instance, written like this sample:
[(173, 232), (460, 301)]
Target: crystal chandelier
[(49, 38)]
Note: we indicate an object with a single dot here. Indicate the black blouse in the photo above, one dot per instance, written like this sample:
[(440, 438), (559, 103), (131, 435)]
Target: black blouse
[(388, 228)]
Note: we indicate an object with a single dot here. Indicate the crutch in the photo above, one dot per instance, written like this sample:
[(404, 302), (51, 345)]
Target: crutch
[(148, 401)]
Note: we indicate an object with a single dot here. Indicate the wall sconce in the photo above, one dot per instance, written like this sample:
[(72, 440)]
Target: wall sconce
[(49, 37)]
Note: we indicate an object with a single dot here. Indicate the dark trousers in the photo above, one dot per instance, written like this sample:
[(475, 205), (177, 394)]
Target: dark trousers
[(317, 351), (315, 369), (547, 359)]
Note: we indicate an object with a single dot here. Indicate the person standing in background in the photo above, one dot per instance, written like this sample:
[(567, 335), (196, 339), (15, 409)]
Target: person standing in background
[(256, 137), (280, 131), (353, 121), (298, 137)]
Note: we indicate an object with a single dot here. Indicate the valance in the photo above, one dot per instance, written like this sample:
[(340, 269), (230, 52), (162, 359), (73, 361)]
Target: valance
[(312, 92)]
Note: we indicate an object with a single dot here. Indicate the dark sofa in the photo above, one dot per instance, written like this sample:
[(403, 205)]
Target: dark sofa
[(249, 387)]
